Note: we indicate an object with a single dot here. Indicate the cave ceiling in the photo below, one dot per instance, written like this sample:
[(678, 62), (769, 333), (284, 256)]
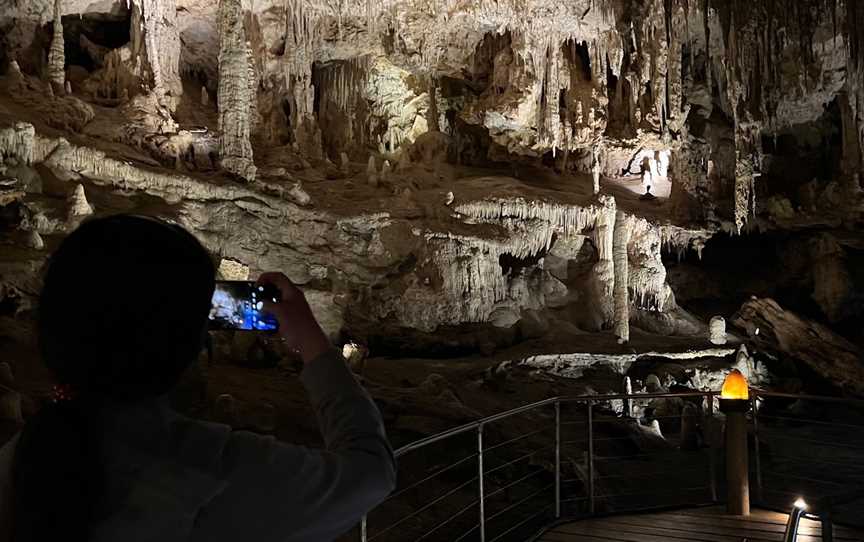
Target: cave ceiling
[(427, 164)]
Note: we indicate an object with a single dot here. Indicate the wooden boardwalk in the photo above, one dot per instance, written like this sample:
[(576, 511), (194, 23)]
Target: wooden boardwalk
[(709, 524)]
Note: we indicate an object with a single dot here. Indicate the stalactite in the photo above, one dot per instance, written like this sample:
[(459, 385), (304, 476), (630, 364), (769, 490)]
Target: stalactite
[(161, 45), (621, 239), (56, 55), (235, 101)]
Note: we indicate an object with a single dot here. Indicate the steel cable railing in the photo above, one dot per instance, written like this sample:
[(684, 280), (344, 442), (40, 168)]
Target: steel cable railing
[(516, 484), (573, 457), (797, 456)]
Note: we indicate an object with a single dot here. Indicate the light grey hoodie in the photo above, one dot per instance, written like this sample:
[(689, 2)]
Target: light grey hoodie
[(172, 479)]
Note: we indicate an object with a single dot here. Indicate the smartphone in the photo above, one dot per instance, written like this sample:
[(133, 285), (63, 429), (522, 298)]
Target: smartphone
[(238, 305)]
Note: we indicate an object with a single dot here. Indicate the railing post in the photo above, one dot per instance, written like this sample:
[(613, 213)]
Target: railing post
[(363, 528), (756, 448), (590, 457), (737, 473), (712, 466), (792, 524), (480, 480), (557, 459)]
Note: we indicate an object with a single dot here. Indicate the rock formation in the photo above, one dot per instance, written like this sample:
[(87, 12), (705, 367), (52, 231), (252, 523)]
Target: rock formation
[(486, 129), (235, 96), (56, 55), (717, 330), (620, 240), (78, 205), (771, 327)]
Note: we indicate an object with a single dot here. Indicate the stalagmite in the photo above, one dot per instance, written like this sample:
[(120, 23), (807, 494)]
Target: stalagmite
[(717, 330), (78, 205), (385, 170), (68, 87), (603, 273), (56, 54), (595, 168), (371, 172), (235, 100), (205, 97), (34, 240), (621, 238), (344, 163), (628, 390)]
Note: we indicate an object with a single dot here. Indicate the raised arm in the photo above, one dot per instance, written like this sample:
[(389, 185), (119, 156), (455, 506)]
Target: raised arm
[(282, 492)]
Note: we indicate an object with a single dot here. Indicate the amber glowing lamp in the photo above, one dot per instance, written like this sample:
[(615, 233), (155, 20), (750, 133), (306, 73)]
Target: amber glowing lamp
[(735, 395), (735, 403), (735, 386)]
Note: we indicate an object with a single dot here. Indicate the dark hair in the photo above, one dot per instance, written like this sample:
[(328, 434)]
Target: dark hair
[(122, 314)]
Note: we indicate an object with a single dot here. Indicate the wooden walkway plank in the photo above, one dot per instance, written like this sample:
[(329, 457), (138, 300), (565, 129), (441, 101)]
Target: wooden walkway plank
[(677, 536), (723, 523), (760, 531), (605, 535), (709, 524), (807, 526)]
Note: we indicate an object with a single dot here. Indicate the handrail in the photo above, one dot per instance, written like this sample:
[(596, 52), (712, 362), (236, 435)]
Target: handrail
[(819, 398), (470, 426), (478, 425), (481, 449), (531, 406)]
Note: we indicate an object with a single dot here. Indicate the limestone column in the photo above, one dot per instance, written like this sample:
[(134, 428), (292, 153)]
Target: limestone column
[(156, 37), (595, 169), (620, 240), (603, 272), (235, 100), (56, 55)]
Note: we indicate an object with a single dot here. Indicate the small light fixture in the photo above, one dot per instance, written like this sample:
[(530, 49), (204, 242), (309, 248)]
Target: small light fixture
[(800, 504), (735, 386)]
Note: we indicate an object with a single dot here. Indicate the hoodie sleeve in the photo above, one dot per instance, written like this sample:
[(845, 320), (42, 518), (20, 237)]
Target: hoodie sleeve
[(282, 492)]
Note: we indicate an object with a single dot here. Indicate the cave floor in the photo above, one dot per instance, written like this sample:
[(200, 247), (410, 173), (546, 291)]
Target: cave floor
[(692, 525)]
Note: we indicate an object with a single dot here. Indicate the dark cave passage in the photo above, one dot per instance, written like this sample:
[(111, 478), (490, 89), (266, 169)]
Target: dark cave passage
[(102, 30), (733, 268), (778, 265)]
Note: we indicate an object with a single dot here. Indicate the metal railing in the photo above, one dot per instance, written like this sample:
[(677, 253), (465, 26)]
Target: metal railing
[(578, 456), (569, 477), (809, 447)]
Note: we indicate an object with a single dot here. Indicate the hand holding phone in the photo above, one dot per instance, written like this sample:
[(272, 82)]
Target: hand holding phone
[(297, 325)]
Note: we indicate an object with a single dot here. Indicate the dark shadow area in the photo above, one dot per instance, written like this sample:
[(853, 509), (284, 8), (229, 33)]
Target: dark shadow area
[(102, 30)]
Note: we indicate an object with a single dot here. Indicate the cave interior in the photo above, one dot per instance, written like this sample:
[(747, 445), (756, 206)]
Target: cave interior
[(485, 203)]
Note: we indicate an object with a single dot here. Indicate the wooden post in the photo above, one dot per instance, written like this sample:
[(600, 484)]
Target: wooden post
[(737, 472)]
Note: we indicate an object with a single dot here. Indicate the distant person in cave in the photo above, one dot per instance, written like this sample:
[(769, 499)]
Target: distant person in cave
[(122, 314)]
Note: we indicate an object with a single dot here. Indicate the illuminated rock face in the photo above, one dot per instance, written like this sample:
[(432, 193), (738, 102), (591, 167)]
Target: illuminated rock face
[(461, 164)]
